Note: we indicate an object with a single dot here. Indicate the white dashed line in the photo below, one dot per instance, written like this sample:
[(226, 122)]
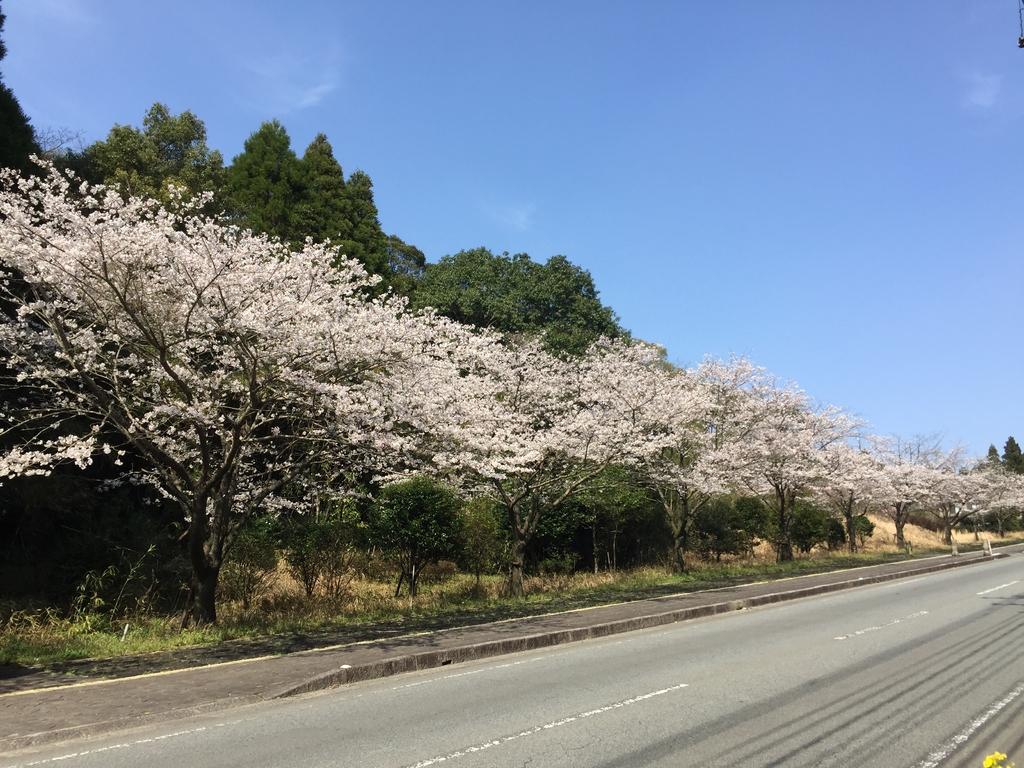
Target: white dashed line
[(546, 727), (1001, 586), (488, 668), (938, 756), (892, 623)]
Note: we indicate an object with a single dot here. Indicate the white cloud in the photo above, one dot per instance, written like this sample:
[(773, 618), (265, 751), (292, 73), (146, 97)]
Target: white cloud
[(982, 91), (285, 83), (517, 217)]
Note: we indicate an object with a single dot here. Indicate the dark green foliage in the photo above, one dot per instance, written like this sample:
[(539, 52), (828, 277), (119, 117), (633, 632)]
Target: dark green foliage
[(55, 530), (483, 538), (516, 295), (726, 526), (323, 209), (406, 264), (754, 517), (714, 531), (835, 534), (1013, 460), (263, 183), (17, 140), (270, 190), (418, 522), (168, 149), (319, 548), (250, 562), (609, 504), (864, 528), (810, 526), (992, 457), (365, 240)]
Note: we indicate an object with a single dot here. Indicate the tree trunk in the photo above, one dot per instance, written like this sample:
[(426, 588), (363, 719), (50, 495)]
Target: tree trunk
[(678, 516), (413, 578), (784, 547), (205, 610), (205, 556), (593, 543), (899, 521), (514, 587), (851, 529), (947, 533)]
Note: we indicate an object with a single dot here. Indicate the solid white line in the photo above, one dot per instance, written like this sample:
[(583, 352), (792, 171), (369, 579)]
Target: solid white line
[(936, 757), (1001, 586), (546, 727), (892, 623)]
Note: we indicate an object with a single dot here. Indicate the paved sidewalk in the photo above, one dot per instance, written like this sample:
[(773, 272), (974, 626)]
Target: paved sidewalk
[(96, 706)]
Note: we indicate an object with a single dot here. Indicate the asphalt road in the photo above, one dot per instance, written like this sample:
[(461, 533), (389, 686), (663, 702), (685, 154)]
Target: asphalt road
[(917, 673)]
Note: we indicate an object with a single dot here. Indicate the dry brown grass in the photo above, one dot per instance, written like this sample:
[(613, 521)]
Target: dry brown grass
[(884, 539)]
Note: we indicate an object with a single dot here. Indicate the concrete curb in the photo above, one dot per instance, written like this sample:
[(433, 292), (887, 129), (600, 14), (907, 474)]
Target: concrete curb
[(432, 659)]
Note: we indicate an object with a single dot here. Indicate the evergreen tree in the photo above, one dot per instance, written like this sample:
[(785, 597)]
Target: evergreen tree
[(1012, 458), (366, 240), (323, 213), (263, 183), (993, 456), (17, 140)]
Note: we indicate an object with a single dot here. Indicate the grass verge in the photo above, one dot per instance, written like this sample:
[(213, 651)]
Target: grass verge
[(284, 621)]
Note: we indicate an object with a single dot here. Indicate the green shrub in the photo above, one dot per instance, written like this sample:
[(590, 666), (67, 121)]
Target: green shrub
[(483, 538), (417, 522), (864, 528), (319, 548), (250, 563)]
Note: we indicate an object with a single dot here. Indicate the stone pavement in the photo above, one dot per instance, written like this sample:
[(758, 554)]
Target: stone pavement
[(58, 712)]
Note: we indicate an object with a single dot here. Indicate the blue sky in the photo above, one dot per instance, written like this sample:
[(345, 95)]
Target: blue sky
[(832, 189)]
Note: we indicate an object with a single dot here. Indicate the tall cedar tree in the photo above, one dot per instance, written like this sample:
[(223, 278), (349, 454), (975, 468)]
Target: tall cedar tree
[(263, 184), (1013, 460), (366, 241), (324, 210), (17, 139)]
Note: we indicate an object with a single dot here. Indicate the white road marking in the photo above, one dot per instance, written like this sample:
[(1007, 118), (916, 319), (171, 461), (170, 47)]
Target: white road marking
[(546, 727), (488, 668), (892, 623), (1001, 586), (939, 755), (901, 582)]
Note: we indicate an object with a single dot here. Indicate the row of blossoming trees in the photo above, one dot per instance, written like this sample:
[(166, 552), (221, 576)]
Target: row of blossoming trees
[(241, 378)]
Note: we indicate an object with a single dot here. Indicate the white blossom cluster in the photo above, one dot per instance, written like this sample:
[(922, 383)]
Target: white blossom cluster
[(241, 375)]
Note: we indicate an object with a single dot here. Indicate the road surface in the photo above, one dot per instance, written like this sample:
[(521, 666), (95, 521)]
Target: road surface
[(915, 673)]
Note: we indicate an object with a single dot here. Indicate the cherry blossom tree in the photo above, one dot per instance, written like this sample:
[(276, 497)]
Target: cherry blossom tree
[(703, 417), (908, 474), (784, 455), (241, 374), (1006, 500), (852, 483), (960, 493), (535, 428)]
